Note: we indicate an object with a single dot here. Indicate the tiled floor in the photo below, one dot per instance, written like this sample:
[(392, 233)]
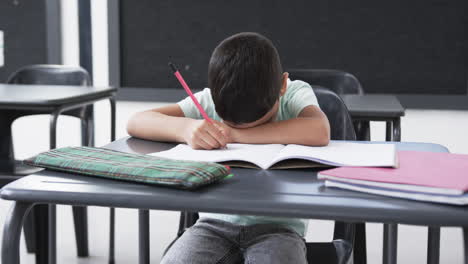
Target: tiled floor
[(449, 128)]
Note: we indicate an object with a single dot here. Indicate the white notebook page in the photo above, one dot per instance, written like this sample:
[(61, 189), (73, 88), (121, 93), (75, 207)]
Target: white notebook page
[(342, 154), (258, 154)]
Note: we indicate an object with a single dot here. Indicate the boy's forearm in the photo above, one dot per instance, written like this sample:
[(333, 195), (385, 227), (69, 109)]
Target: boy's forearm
[(304, 131), (158, 127)]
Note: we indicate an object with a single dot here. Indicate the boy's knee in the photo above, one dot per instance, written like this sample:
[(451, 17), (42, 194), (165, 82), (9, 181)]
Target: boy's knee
[(278, 248)]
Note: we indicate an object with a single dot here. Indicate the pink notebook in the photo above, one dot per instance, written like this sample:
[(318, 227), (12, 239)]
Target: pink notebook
[(430, 169)]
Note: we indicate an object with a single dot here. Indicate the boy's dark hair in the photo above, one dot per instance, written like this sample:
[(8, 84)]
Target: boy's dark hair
[(245, 77)]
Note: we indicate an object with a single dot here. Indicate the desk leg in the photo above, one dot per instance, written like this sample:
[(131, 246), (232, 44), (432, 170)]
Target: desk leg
[(465, 243), (112, 210), (393, 133), (52, 234), (12, 232), (388, 131), (143, 237), (41, 226), (390, 243), (397, 129), (112, 236), (433, 245)]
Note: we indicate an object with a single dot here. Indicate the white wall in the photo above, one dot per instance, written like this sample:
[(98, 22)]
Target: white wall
[(70, 40), (100, 46)]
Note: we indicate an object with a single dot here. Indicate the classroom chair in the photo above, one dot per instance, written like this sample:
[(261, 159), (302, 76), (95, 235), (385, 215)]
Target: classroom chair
[(340, 249), (61, 75), (339, 82)]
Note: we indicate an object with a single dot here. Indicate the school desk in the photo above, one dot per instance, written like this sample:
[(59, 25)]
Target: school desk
[(282, 193), (19, 100), (373, 107)]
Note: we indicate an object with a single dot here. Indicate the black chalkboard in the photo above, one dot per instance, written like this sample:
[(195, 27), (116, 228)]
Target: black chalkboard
[(400, 46), (24, 27)]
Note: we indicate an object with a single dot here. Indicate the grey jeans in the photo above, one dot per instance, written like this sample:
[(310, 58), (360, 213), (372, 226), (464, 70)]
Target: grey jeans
[(214, 241)]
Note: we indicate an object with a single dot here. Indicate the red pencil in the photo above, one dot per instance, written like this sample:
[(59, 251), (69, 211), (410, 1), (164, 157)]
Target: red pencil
[(189, 92)]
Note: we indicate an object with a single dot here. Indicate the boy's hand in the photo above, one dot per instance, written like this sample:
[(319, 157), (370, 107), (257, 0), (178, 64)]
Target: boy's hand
[(201, 134), (229, 133)]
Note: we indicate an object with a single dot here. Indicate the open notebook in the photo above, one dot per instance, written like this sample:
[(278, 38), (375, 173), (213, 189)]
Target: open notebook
[(266, 156)]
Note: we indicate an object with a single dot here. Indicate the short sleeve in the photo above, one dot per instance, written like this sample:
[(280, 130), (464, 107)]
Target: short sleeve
[(298, 95), (204, 98)]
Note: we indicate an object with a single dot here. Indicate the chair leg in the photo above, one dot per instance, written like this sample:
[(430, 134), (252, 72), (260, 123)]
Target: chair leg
[(87, 129), (355, 234), (80, 219), (29, 232), (360, 253), (362, 129), (182, 224), (90, 122), (84, 132)]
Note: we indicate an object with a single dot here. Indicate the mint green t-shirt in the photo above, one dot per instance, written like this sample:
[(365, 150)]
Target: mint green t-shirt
[(298, 95)]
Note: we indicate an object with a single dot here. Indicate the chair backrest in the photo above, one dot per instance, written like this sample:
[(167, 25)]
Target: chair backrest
[(341, 126), (339, 82), (51, 74)]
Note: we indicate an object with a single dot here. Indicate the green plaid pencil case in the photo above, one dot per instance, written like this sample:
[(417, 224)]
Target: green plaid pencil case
[(106, 163)]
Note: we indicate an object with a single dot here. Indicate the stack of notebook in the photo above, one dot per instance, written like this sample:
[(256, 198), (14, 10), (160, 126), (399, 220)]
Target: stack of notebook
[(425, 176)]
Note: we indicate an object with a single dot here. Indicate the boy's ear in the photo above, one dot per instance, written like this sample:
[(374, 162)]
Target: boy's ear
[(284, 85)]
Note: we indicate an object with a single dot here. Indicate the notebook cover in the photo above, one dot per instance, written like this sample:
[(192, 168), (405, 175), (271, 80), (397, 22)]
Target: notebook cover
[(441, 170), (420, 196)]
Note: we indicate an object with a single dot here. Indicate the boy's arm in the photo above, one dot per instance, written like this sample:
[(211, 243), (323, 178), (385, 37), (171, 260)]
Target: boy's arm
[(311, 128), (168, 123), (164, 123)]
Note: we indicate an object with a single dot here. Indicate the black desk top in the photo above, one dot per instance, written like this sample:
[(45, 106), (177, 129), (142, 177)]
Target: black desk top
[(373, 105), (291, 193), (16, 96)]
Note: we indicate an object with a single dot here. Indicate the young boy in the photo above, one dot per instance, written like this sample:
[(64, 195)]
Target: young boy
[(251, 100)]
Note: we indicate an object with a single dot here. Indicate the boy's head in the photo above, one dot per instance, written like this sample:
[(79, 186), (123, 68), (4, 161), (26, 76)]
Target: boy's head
[(246, 78)]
